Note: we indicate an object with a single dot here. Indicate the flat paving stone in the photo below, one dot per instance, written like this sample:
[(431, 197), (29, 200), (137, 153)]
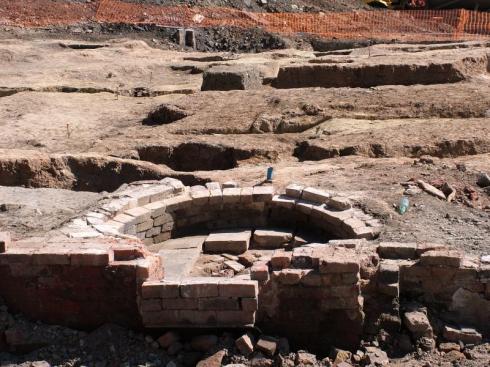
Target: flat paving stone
[(230, 241)]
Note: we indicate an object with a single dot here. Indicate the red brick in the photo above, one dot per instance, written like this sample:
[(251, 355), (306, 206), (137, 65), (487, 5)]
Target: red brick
[(51, 256), (219, 304), (124, 253), (235, 318), (90, 257), (281, 259), (200, 318), (151, 305), (180, 304), (16, 255), (164, 318), (238, 288), (260, 272), (151, 289), (249, 304), (199, 288)]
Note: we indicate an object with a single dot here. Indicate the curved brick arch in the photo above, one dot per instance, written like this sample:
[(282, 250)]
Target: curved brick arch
[(157, 212)]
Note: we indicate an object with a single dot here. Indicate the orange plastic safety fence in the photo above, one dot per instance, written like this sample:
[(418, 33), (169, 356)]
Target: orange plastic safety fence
[(410, 25)]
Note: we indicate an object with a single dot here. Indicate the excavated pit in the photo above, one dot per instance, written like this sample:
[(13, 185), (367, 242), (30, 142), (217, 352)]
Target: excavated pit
[(165, 114), (197, 156)]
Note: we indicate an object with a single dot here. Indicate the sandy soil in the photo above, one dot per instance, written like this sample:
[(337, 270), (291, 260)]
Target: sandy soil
[(359, 140)]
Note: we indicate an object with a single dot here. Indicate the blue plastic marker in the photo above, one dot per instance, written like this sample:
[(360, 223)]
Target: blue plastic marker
[(270, 171)]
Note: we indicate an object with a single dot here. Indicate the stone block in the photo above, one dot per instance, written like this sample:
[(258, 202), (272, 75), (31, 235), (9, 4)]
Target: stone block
[(449, 258), (156, 208), (283, 201), (271, 238), (418, 324), (305, 207), (267, 345), (152, 232), (213, 185), (315, 195), (231, 195), (281, 259), (236, 77), (200, 288), (263, 193), (215, 197), (140, 214), (144, 226), (234, 265), (90, 257), (395, 250), (246, 195), (294, 190), (233, 241), (245, 345), (238, 288), (339, 203), (163, 219), (178, 202), (464, 335), (200, 195)]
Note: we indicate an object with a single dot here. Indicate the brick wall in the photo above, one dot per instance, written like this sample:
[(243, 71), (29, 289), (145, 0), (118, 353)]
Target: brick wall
[(76, 283), (198, 302)]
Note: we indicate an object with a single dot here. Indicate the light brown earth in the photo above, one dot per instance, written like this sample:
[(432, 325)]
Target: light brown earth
[(71, 125), (70, 119)]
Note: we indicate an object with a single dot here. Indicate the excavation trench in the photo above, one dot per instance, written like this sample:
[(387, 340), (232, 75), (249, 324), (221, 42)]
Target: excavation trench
[(82, 172), (370, 75), (311, 150)]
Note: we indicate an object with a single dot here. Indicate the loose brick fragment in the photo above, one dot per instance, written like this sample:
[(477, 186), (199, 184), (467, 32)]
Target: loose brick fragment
[(4, 241), (259, 272)]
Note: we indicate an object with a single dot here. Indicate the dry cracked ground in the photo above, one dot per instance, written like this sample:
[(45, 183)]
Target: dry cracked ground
[(82, 118)]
